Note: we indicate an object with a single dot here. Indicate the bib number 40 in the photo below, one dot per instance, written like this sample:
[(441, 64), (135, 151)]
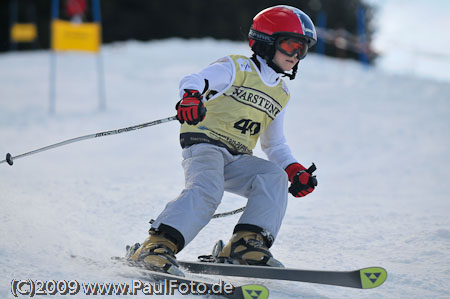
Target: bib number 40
[(245, 125)]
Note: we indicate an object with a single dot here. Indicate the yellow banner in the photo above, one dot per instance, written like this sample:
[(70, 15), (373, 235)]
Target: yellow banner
[(77, 37), (23, 33)]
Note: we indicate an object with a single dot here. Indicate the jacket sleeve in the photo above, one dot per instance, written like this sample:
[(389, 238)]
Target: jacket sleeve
[(217, 76), (273, 142)]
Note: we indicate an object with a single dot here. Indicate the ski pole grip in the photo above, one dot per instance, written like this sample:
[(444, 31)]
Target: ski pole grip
[(311, 169)]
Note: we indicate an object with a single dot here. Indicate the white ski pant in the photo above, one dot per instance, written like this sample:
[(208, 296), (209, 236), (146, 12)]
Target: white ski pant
[(209, 171)]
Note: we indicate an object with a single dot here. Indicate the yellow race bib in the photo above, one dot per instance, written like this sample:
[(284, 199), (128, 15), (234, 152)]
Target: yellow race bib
[(236, 118)]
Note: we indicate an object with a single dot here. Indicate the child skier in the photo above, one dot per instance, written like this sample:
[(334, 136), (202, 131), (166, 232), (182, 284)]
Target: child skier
[(224, 109)]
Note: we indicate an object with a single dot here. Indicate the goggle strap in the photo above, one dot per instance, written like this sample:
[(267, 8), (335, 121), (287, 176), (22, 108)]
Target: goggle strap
[(260, 36)]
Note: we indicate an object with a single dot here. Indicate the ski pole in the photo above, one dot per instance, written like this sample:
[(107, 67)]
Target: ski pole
[(220, 215), (10, 159)]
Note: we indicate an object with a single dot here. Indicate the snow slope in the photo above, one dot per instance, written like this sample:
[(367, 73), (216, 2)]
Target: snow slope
[(380, 142)]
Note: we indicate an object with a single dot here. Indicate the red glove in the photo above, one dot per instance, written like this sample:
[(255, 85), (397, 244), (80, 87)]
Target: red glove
[(190, 109), (302, 180)]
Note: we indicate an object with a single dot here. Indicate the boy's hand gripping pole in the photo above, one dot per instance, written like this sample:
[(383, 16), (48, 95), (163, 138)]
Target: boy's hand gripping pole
[(10, 159)]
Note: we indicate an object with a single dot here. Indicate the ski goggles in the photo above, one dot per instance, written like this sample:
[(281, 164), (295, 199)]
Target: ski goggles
[(292, 47)]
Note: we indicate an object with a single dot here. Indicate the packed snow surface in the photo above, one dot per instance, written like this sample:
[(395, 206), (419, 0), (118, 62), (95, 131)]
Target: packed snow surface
[(380, 142)]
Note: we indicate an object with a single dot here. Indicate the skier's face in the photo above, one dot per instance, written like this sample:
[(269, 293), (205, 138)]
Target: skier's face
[(285, 62)]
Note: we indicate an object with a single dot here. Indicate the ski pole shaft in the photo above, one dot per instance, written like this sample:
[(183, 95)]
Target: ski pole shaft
[(9, 158), (220, 215)]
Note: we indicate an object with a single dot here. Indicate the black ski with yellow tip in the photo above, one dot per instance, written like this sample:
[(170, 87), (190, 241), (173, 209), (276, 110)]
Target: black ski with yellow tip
[(168, 284), (366, 278), (194, 286)]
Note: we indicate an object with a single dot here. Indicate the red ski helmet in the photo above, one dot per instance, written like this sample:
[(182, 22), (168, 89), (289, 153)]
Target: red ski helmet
[(282, 20)]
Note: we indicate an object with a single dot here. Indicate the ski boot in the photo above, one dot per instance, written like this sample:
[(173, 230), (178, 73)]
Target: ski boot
[(157, 253), (245, 248)]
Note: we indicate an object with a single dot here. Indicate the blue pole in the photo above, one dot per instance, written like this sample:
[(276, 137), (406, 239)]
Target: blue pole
[(96, 11), (361, 22), (52, 75), (321, 23), (55, 9), (100, 70)]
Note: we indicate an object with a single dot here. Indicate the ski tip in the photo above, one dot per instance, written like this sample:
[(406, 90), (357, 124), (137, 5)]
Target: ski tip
[(372, 277), (252, 291)]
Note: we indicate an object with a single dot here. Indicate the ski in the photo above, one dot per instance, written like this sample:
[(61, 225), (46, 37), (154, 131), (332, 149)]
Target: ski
[(194, 286), (157, 283), (365, 278)]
